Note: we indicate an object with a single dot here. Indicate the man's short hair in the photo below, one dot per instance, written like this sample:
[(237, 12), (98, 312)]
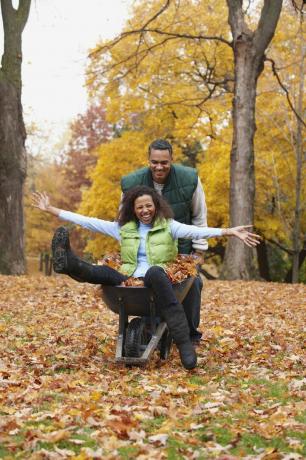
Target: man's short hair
[(160, 144)]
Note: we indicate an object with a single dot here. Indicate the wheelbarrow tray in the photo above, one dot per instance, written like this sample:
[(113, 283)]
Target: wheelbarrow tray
[(137, 299)]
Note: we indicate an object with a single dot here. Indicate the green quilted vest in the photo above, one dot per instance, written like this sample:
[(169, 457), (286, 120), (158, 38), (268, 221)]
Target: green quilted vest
[(160, 246), (178, 191)]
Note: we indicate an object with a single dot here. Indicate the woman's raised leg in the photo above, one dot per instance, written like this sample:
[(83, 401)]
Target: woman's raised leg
[(65, 261)]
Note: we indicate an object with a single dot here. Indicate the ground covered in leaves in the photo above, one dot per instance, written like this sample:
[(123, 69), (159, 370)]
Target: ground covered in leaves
[(63, 396)]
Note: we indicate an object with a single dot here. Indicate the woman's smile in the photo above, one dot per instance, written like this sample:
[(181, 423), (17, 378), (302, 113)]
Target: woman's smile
[(144, 209)]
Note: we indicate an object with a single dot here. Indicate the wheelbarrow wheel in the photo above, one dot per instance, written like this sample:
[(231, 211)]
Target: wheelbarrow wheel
[(165, 345), (137, 338)]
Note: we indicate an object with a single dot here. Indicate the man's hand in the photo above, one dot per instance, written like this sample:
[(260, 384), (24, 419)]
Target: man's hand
[(199, 257)]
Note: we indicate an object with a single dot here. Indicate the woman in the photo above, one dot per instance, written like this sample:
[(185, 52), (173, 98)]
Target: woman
[(147, 234)]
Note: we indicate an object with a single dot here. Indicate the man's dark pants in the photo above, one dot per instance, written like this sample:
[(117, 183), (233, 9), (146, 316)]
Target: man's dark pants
[(192, 307)]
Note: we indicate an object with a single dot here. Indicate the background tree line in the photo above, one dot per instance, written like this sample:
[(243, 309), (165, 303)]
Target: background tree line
[(178, 70)]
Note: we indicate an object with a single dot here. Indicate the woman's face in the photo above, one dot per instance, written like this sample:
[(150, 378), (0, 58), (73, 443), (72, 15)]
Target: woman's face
[(144, 209)]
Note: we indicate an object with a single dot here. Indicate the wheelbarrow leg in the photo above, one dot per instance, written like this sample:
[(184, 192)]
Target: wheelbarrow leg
[(123, 319), (152, 315), (152, 345)]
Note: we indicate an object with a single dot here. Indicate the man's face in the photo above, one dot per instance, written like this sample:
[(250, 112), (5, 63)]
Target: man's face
[(160, 164)]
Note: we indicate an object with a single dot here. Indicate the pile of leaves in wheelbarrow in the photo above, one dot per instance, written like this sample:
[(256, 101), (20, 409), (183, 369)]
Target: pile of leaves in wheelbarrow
[(181, 268)]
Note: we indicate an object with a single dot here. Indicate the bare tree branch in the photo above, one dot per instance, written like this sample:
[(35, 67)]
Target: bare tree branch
[(236, 19), (130, 57), (170, 35), (142, 33), (190, 36), (299, 8), (9, 13), (267, 24), (274, 70), (280, 246), (163, 8), (23, 12), (245, 11)]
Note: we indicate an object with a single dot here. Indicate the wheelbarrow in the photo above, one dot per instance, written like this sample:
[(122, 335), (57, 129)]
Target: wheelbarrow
[(146, 331)]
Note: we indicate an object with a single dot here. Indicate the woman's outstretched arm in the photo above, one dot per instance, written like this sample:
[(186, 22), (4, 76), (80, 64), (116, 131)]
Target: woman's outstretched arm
[(179, 230), (42, 201)]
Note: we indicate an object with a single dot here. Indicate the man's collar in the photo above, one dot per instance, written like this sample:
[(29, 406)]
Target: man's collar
[(150, 176)]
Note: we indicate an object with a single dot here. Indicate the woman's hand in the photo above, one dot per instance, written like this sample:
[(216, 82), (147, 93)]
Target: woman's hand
[(241, 232), (41, 201)]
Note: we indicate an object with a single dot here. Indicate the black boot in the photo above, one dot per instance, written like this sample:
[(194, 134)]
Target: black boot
[(60, 246), (65, 261), (178, 326)]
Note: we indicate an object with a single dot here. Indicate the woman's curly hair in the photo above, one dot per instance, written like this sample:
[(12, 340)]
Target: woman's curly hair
[(126, 212)]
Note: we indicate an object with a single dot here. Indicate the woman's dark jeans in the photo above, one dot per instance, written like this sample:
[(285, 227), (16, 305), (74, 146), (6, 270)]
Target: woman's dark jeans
[(158, 281), (102, 274)]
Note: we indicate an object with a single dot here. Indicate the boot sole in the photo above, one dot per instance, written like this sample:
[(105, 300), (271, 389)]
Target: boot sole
[(60, 245)]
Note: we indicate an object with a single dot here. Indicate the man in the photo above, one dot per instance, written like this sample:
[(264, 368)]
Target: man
[(182, 188)]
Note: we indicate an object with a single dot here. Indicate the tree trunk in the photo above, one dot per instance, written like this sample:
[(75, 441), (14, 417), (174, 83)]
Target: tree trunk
[(263, 261), (12, 175), (249, 48), (302, 257), (238, 262), (299, 167), (12, 139)]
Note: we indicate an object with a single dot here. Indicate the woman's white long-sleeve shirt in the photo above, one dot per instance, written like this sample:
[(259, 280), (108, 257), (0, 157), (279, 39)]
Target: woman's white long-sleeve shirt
[(112, 229)]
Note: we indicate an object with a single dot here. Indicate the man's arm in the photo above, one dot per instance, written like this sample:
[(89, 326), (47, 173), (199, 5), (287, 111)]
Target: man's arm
[(199, 215)]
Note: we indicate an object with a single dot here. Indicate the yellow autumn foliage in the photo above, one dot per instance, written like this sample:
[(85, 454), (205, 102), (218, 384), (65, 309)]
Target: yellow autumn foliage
[(167, 89), (214, 174), (275, 140), (164, 89), (116, 158), (39, 226)]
